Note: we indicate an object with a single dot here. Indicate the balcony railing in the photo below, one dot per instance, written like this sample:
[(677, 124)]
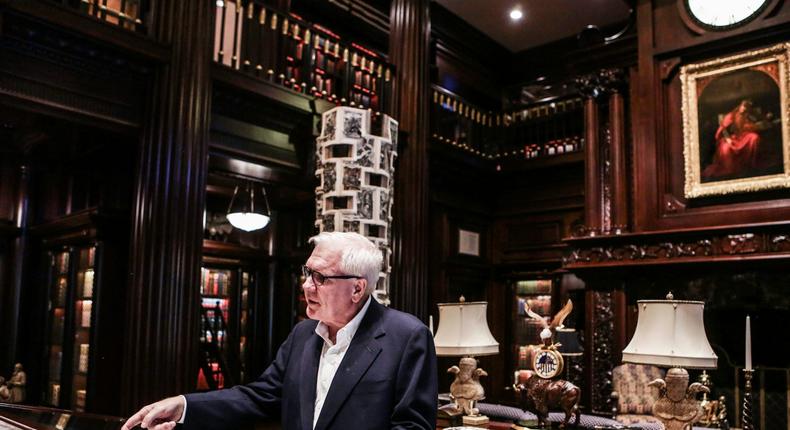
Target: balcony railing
[(123, 13), (304, 57), (540, 131)]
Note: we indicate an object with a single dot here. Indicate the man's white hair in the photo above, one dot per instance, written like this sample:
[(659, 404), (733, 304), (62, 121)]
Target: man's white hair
[(358, 255)]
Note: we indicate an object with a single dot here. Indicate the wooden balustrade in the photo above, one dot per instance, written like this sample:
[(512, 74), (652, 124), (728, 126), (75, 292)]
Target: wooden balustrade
[(304, 57), (123, 13), (540, 131)]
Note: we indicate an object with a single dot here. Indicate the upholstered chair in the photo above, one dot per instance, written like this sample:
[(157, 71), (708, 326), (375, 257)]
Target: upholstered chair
[(632, 399)]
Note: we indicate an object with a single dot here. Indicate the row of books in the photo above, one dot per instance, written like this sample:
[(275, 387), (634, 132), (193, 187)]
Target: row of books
[(58, 321), (79, 400), (554, 147), (534, 286), (54, 394), (527, 331), (62, 262), (211, 303), (215, 282), (55, 360), (244, 37), (361, 98), (524, 358), (85, 280), (87, 257), (208, 336), (59, 291), (84, 308), (82, 361), (541, 305)]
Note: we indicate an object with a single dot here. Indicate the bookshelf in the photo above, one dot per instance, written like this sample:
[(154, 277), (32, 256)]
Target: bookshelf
[(550, 130), (70, 320), (57, 320), (536, 293), (305, 57), (227, 291)]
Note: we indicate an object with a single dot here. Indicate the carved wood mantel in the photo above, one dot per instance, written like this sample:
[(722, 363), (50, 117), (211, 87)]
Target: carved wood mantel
[(751, 242)]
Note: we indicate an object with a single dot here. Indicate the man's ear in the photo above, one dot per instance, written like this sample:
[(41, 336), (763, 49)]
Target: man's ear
[(359, 288)]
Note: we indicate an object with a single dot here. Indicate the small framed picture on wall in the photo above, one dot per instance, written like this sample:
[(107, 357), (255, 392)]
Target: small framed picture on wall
[(468, 242)]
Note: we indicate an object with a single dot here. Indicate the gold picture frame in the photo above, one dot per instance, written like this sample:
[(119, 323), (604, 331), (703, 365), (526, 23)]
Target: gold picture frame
[(735, 123)]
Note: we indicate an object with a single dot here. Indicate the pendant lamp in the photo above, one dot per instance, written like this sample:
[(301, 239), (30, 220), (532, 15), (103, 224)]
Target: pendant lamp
[(242, 211)]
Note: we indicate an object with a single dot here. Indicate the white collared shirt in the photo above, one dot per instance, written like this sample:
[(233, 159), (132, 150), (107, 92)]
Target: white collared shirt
[(332, 355)]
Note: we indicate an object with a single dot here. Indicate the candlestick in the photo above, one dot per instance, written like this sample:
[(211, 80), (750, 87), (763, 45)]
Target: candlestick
[(748, 343), (747, 400)]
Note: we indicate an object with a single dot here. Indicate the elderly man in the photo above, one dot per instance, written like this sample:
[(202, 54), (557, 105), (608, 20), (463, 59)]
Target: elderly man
[(354, 364)]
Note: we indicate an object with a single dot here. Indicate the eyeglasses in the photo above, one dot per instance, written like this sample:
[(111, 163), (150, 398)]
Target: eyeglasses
[(319, 279)]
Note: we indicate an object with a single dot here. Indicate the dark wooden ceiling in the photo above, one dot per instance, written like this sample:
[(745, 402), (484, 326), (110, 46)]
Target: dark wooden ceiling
[(543, 21)]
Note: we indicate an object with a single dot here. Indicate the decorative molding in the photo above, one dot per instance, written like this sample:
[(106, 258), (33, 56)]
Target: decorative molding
[(672, 204), (602, 82), (673, 248)]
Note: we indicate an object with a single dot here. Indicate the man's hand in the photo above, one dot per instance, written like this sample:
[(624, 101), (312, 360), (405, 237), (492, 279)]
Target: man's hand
[(161, 415)]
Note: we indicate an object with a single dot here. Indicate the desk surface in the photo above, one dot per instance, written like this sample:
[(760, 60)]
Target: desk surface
[(19, 417)]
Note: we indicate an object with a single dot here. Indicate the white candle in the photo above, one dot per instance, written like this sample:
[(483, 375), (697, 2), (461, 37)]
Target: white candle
[(748, 343), (430, 324)]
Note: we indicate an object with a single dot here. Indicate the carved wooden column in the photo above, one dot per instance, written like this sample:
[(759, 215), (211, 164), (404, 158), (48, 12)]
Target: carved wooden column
[(409, 51), (161, 336), (593, 190), (605, 185), (619, 210), (600, 341)]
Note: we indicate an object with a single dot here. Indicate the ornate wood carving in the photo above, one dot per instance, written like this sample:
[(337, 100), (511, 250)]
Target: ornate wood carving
[(161, 336), (702, 246), (409, 52), (603, 326)]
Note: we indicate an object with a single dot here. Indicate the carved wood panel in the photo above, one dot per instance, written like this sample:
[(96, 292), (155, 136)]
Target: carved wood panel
[(666, 44), (601, 321), (722, 245)]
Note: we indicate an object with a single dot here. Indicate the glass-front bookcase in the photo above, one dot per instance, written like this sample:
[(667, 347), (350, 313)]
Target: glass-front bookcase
[(70, 319), (226, 324), (535, 294)]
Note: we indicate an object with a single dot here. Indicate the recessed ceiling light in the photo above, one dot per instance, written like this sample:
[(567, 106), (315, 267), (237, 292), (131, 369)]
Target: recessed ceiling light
[(516, 14)]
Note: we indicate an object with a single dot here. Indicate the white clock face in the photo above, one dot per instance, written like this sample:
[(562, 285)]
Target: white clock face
[(724, 13)]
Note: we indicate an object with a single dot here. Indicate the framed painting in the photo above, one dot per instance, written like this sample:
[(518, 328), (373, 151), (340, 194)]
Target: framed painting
[(735, 123)]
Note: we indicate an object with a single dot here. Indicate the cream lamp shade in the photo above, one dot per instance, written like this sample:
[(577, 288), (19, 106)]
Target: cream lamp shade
[(670, 333), (463, 330)]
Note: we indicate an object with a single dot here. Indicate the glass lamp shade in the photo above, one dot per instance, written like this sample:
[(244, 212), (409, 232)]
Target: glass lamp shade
[(242, 212), (248, 221)]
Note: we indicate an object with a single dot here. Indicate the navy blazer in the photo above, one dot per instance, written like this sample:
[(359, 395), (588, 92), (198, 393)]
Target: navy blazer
[(387, 380)]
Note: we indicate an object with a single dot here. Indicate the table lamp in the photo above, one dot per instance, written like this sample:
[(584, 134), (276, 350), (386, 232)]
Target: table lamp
[(671, 333), (463, 332), (570, 348)]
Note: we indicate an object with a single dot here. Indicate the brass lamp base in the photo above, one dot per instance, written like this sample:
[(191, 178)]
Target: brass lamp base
[(677, 406)]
